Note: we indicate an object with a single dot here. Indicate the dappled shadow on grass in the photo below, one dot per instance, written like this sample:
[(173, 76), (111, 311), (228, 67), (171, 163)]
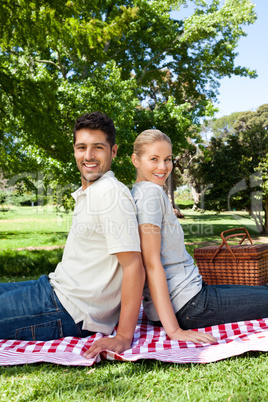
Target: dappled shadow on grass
[(208, 227), (200, 217), (24, 233), (14, 239), (29, 263), (4, 210), (208, 230), (214, 215)]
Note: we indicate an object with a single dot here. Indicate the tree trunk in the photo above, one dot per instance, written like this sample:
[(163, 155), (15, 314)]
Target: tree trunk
[(196, 195), (257, 214), (170, 193)]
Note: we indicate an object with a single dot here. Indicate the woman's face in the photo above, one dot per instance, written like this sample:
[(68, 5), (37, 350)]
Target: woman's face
[(155, 163)]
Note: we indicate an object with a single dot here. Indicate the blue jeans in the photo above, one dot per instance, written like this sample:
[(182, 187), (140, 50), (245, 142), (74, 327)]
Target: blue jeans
[(220, 304), (32, 311)]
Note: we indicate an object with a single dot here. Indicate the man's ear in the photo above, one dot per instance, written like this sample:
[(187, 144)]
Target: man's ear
[(135, 160), (114, 150)]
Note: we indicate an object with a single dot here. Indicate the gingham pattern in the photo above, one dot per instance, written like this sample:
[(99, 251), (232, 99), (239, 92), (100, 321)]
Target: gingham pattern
[(149, 342)]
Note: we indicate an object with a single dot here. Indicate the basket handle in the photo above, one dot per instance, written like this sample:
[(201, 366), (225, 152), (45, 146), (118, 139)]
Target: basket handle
[(225, 238)]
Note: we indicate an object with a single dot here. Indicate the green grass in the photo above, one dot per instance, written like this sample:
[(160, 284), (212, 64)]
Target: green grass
[(33, 227), (241, 378), (27, 263), (207, 226)]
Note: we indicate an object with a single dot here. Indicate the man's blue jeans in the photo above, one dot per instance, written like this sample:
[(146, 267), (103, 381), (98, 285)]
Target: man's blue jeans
[(220, 304), (31, 310)]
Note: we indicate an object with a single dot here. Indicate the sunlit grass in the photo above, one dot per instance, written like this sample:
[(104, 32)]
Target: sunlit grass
[(33, 227), (242, 378), (207, 226)]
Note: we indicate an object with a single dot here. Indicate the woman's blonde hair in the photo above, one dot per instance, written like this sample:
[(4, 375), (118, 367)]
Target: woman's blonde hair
[(147, 137)]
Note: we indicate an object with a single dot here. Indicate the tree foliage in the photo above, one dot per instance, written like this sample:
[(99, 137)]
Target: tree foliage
[(234, 168), (221, 127), (129, 59)]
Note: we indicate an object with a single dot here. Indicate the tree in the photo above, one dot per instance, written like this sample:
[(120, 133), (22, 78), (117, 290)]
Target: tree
[(262, 221), (221, 127), (234, 168), (62, 58), (251, 127), (222, 167)]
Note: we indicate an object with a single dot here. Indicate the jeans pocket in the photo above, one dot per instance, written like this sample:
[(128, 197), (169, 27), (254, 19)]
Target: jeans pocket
[(40, 332)]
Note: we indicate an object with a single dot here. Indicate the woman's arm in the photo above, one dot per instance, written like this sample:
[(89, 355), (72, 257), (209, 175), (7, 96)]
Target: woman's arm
[(150, 236)]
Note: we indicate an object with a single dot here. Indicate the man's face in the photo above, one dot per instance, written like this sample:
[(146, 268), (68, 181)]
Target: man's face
[(93, 155)]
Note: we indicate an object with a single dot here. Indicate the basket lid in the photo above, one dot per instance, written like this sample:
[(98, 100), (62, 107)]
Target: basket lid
[(238, 249)]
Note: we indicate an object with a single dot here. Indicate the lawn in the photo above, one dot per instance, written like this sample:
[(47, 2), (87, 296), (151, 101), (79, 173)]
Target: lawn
[(33, 226), (242, 378), (31, 240)]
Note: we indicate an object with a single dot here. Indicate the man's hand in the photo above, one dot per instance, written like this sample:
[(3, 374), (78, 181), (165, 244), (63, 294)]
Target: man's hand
[(131, 294), (116, 344), (192, 336)]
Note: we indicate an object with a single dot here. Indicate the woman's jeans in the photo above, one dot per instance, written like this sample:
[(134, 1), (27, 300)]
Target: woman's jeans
[(31, 310), (220, 304)]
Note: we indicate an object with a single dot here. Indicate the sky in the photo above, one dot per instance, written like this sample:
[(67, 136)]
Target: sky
[(240, 94)]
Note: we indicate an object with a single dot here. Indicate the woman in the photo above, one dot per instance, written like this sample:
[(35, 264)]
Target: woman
[(174, 295)]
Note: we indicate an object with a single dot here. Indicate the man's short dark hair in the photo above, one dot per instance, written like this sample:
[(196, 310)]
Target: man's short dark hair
[(96, 121)]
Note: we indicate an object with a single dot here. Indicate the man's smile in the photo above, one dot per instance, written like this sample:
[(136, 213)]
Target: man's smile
[(90, 165)]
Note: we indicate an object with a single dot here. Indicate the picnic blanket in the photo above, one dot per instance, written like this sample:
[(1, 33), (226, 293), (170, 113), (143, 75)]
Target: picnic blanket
[(149, 342)]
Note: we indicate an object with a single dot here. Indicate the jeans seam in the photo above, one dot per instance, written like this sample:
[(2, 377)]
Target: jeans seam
[(201, 319), (29, 316), (33, 328), (196, 297), (79, 330), (54, 299)]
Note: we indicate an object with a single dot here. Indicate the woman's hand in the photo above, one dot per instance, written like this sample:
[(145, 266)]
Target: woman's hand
[(192, 336)]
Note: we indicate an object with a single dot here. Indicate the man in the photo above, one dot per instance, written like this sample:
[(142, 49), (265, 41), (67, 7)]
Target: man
[(100, 279)]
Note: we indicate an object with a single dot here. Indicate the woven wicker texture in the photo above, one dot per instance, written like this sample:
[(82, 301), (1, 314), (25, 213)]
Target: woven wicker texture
[(233, 264)]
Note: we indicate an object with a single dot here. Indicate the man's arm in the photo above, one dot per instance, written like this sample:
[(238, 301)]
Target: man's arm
[(131, 294), (150, 236)]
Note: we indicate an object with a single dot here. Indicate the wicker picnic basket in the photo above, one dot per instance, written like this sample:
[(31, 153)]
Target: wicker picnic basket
[(240, 264)]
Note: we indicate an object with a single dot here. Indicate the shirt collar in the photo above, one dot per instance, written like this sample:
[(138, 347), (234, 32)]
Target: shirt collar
[(82, 193)]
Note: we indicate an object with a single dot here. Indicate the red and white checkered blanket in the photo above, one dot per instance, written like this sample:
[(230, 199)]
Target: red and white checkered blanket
[(149, 342)]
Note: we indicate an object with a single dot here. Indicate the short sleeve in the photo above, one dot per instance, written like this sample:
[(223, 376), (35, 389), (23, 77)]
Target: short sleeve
[(119, 222), (150, 204)]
